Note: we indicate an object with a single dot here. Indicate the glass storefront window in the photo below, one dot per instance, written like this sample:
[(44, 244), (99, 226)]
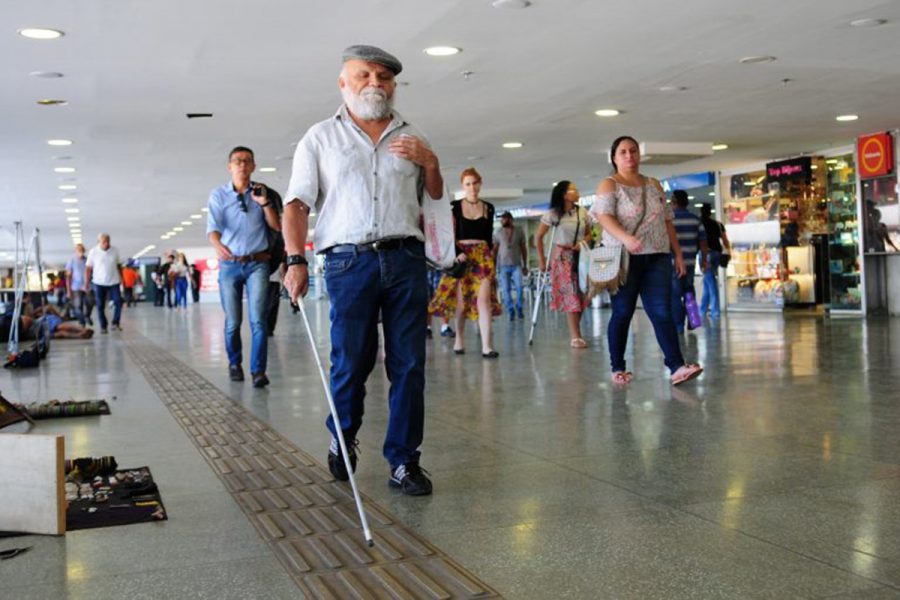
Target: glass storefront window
[(843, 234), (882, 220)]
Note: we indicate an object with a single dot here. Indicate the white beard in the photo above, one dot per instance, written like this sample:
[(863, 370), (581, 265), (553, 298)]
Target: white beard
[(371, 104)]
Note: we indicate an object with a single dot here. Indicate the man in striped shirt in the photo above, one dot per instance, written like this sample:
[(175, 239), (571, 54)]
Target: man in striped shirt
[(691, 238)]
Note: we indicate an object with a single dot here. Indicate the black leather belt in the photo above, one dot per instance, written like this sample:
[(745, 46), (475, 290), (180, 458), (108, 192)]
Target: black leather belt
[(255, 257), (376, 246)]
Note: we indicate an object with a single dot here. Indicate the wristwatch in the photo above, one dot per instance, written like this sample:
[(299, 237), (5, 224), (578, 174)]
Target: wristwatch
[(296, 259)]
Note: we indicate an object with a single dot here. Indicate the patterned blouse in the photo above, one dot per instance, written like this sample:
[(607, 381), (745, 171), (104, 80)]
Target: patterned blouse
[(625, 205), (573, 223)]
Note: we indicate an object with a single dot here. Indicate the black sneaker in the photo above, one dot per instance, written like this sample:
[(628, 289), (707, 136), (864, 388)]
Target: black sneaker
[(411, 479), (235, 373), (336, 462), (259, 380), (448, 332)]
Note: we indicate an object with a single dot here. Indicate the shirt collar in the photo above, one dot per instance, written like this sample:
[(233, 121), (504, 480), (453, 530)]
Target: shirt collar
[(397, 120)]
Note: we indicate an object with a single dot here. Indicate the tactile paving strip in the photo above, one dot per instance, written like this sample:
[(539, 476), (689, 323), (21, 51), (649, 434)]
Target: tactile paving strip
[(307, 517)]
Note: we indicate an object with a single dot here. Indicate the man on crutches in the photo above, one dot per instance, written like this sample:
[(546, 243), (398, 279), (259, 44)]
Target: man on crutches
[(367, 170)]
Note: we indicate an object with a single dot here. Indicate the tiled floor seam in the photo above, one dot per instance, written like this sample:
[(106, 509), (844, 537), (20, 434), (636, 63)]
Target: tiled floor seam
[(308, 519)]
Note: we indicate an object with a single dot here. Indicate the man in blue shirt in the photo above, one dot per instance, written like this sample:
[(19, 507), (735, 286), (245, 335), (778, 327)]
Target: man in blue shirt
[(239, 218), (691, 238), (75, 285)]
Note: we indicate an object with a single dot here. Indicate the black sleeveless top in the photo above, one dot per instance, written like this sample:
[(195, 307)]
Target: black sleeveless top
[(473, 229)]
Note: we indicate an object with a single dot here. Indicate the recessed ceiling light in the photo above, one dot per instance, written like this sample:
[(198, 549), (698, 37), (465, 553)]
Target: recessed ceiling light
[(515, 4), (46, 74), (712, 193), (196, 216), (206, 210), (187, 222), (267, 169), (756, 60), (607, 112), (70, 200), (170, 233), (512, 145), (867, 22), (717, 147), (67, 186), (64, 169), (690, 197), (442, 51), (163, 237), (59, 142), (673, 88), (52, 102), (73, 211), (698, 206), (832, 161), (71, 219), (844, 118), (178, 229), (37, 33)]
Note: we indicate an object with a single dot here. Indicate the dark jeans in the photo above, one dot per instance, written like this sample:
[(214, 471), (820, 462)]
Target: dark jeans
[(680, 286), (104, 293), (181, 290), (711, 286), (360, 285), (650, 277), (233, 276), (273, 300), (129, 296)]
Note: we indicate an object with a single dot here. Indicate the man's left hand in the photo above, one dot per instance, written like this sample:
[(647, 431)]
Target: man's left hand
[(413, 149), (258, 193)]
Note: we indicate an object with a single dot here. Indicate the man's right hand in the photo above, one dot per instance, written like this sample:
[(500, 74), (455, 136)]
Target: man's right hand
[(296, 281), (223, 252)]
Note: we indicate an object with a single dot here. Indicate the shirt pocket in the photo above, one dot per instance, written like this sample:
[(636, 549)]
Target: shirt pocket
[(404, 167)]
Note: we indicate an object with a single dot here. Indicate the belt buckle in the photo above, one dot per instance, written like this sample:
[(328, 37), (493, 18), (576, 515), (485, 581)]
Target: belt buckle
[(377, 245)]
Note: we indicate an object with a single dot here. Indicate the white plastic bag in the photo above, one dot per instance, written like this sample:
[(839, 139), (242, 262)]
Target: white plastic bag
[(437, 224)]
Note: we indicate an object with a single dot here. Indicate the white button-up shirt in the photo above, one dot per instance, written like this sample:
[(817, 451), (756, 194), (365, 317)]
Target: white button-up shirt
[(361, 192), (104, 265)]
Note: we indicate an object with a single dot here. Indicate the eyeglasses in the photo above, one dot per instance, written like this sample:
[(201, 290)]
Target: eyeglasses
[(242, 161)]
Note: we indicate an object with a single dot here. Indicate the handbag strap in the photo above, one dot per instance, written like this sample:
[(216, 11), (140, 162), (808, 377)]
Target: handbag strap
[(643, 207)]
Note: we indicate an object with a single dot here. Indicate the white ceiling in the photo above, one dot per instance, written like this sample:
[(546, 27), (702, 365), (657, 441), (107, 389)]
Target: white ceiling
[(268, 70)]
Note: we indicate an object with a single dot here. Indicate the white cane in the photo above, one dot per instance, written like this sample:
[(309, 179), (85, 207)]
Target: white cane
[(540, 290), (337, 425)]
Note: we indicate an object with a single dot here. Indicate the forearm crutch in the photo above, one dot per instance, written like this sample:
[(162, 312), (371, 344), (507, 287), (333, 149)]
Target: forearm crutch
[(367, 533), (540, 289)]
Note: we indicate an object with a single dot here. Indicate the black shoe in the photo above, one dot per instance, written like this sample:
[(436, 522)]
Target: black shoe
[(512, 317), (259, 380), (336, 462), (459, 351), (448, 332), (521, 315), (411, 479), (491, 354), (235, 373), (428, 334)]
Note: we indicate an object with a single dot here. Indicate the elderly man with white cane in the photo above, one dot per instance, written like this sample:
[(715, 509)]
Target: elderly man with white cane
[(367, 171)]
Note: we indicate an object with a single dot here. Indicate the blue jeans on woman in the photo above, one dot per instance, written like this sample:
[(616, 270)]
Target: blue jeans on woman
[(104, 293), (362, 285), (650, 277), (233, 276), (511, 275), (711, 286), (181, 286)]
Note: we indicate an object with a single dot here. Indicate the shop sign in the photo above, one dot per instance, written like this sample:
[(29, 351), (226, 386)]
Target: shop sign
[(792, 169), (876, 155), (688, 182)]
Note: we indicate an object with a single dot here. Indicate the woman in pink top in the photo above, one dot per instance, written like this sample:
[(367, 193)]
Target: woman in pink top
[(632, 210)]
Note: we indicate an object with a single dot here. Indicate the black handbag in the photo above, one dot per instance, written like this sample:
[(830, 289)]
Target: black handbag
[(457, 270), (724, 259)]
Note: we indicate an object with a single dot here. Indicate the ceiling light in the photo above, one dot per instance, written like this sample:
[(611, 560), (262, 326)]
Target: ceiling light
[(52, 102), (607, 112), (68, 186), (267, 169), (673, 88), (719, 147), (867, 22), (512, 145), (712, 193), (73, 219), (206, 210), (73, 211), (178, 229), (164, 237), (698, 206), (37, 33), (187, 222), (46, 74), (442, 51), (196, 216), (70, 200), (64, 169), (832, 161), (844, 118), (515, 4), (170, 233), (756, 60), (59, 142)]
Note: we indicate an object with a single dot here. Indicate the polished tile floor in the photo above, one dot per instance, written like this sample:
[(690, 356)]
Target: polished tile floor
[(775, 475)]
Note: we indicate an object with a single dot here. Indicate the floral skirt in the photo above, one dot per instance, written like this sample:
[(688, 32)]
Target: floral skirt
[(566, 297), (481, 268)]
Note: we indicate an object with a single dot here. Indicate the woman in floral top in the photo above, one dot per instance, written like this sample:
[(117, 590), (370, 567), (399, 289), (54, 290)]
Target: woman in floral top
[(632, 210)]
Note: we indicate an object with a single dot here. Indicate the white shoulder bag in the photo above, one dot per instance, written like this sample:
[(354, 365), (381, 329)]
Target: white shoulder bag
[(609, 262)]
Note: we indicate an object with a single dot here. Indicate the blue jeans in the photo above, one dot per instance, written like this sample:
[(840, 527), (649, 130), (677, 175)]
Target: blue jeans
[(680, 286), (233, 276), (181, 286), (650, 277), (362, 284), (103, 293), (711, 286), (511, 275)]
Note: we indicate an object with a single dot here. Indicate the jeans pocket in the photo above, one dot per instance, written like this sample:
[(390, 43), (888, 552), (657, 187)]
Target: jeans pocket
[(414, 250), (335, 264)]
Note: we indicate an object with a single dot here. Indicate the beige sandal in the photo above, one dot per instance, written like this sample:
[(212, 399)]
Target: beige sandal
[(622, 377), (686, 372), (578, 343)]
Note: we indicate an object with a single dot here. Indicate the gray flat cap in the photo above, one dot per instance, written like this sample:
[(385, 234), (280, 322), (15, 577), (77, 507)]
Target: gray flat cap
[(373, 54)]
